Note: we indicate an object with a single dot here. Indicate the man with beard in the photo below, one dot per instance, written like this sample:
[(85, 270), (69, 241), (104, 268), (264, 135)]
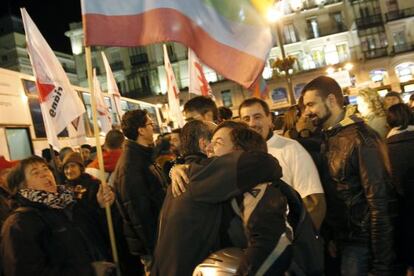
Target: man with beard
[(357, 184), (299, 170), (189, 225)]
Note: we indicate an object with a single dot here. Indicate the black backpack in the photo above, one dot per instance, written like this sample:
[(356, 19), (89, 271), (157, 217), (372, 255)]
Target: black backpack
[(307, 244)]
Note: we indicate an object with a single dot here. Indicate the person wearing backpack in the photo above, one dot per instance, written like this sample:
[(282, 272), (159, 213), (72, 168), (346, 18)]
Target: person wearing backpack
[(41, 237), (278, 241)]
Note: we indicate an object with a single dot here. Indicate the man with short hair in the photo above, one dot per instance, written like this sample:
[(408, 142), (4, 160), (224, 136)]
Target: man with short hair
[(85, 151), (201, 108), (357, 184), (139, 185), (299, 170), (392, 98)]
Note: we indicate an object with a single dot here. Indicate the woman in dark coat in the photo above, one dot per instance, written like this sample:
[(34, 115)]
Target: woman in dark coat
[(400, 142), (41, 237)]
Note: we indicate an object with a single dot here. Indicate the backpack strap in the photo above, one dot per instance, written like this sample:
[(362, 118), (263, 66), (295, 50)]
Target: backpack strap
[(281, 245)]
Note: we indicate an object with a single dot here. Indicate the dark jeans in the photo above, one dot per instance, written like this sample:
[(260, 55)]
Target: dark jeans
[(355, 260)]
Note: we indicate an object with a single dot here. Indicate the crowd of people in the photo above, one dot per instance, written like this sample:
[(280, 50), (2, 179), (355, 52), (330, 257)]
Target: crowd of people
[(329, 193)]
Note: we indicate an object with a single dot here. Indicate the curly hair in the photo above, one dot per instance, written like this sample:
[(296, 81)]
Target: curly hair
[(371, 97), (132, 121)]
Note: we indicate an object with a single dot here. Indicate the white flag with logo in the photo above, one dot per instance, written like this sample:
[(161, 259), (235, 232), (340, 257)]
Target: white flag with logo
[(104, 116), (59, 102), (112, 87), (198, 83), (173, 92), (77, 133)]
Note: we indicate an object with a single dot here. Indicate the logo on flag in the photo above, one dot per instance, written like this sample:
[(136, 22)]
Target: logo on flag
[(59, 102), (173, 92), (198, 82)]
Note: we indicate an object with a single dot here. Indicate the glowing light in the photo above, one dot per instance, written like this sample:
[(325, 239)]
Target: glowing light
[(24, 98), (274, 13), (348, 66), (330, 70)]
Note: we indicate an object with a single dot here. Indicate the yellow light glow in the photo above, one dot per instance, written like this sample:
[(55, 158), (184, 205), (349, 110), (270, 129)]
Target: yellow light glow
[(274, 13), (330, 70), (348, 66)]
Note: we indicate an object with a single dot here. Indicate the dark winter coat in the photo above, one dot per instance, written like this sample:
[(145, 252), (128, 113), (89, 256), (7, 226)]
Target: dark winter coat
[(139, 187), (401, 151), (359, 192), (189, 224), (7, 205), (88, 211), (39, 240)]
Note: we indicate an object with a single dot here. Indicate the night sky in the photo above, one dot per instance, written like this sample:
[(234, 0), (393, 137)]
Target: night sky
[(52, 17)]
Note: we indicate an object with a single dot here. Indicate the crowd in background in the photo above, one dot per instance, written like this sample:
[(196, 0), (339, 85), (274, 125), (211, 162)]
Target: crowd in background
[(325, 189)]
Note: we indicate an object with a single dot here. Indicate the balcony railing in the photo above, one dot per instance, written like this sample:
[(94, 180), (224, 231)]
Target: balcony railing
[(369, 21), (402, 48), (376, 53), (311, 4), (322, 33), (395, 15)]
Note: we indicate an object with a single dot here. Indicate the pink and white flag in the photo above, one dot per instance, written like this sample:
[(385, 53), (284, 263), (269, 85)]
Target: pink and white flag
[(173, 92), (59, 102), (231, 37), (113, 87), (104, 116), (198, 83)]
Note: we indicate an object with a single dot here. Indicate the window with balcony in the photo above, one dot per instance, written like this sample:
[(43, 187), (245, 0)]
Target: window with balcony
[(339, 21), (226, 98), (313, 27), (289, 34)]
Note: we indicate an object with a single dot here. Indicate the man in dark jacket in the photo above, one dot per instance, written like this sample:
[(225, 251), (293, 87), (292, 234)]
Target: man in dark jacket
[(358, 224), (189, 224), (139, 185)]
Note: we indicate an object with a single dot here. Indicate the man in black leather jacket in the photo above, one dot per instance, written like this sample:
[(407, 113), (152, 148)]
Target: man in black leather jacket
[(139, 186), (357, 184)]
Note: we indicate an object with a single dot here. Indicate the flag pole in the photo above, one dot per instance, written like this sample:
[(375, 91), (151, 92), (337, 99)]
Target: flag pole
[(100, 157)]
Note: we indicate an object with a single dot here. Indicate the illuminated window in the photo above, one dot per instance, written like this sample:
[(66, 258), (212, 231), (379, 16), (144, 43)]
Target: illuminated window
[(405, 71)]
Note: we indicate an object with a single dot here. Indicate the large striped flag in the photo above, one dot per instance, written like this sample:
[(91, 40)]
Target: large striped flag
[(173, 92), (198, 83), (59, 102), (104, 116), (113, 87), (230, 36)]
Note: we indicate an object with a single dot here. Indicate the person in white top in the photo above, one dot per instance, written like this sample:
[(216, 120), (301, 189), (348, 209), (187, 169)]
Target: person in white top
[(299, 170)]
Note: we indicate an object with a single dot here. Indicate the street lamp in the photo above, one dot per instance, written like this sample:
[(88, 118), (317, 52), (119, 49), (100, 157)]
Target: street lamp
[(274, 15)]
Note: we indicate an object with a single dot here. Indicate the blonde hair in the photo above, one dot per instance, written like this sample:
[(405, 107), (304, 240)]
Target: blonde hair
[(373, 100)]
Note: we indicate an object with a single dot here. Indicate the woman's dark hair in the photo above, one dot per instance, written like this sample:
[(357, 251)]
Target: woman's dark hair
[(17, 177), (243, 137), (400, 115), (132, 121), (191, 133)]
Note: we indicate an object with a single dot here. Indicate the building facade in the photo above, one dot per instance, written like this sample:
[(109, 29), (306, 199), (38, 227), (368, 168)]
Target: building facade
[(13, 52)]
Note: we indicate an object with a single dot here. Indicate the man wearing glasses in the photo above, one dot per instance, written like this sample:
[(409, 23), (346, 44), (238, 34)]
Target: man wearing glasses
[(139, 185)]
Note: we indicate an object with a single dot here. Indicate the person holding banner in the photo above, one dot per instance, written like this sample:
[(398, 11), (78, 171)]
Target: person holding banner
[(43, 236)]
